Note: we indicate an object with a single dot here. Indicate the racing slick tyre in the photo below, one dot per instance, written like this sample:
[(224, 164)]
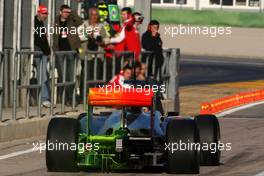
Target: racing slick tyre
[(82, 121), (182, 160), (61, 158), (81, 116), (209, 131)]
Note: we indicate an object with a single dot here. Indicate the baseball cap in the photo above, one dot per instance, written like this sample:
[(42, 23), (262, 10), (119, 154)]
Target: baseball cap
[(42, 9)]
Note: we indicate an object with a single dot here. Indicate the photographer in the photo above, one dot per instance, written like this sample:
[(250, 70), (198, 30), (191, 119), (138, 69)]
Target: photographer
[(92, 33)]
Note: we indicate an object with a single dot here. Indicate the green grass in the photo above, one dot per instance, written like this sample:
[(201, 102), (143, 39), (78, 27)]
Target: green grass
[(209, 18)]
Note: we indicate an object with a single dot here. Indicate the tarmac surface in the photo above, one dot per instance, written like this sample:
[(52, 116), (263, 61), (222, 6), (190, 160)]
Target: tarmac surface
[(207, 70), (243, 129)]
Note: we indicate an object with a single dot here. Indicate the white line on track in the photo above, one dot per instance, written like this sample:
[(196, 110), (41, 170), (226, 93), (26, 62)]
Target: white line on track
[(238, 109), (223, 62), (260, 174), (230, 111), (10, 155)]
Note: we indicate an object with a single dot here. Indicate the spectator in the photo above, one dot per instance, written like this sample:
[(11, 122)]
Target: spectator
[(151, 41), (119, 79), (65, 40), (41, 44), (142, 74), (92, 33), (136, 70)]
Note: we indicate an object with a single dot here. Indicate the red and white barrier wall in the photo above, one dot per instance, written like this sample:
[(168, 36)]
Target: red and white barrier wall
[(232, 101)]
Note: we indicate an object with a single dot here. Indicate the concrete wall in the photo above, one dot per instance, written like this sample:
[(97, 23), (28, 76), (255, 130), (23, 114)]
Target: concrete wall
[(243, 42)]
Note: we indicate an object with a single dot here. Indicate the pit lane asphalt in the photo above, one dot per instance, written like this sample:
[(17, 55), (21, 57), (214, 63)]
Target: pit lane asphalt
[(246, 158), (243, 129)]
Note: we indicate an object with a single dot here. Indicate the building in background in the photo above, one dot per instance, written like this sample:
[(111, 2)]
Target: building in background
[(240, 5)]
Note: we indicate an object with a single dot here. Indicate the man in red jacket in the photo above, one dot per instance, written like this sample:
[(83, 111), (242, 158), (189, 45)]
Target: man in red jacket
[(119, 79), (131, 40)]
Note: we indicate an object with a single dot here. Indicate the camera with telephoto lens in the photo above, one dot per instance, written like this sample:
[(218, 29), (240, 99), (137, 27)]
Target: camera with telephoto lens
[(139, 18), (99, 39)]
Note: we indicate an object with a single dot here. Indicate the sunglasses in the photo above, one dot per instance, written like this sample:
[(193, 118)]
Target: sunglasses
[(44, 13), (66, 12)]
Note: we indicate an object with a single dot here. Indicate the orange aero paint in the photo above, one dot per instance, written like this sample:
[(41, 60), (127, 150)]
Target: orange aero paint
[(127, 97)]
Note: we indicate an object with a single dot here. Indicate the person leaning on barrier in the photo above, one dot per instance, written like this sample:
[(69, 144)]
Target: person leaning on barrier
[(66, 39), (151, 41), (41, 44), (92, 33), (119, 79), (142, 74)]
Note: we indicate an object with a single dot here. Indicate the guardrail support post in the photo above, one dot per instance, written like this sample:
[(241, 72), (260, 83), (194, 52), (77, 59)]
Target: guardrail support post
[(52, 60), (2, 61), (173, 89)]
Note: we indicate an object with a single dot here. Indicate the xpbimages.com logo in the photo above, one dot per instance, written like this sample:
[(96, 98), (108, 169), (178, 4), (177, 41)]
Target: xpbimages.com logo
[(63, 146), (184, 146), (210, 31), (147, 89), (81, 30)]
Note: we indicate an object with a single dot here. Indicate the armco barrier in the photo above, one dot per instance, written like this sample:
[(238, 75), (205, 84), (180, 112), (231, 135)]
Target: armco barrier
[(23, 87), (27, 56), (232, 101)]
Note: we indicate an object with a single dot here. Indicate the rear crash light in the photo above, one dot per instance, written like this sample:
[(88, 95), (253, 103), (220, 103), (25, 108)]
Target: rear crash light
[(119, 145)]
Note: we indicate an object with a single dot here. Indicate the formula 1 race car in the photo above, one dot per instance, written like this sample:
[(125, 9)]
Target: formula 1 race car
[(123, 131)]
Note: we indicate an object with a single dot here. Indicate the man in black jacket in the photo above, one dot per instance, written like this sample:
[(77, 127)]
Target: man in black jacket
[(66, 39), (41, 44), (151, 41)]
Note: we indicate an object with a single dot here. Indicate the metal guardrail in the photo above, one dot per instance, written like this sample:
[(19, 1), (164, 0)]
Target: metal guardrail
[(18, 77), (2, 60), (110, 67), (64, 83), (169, 75)]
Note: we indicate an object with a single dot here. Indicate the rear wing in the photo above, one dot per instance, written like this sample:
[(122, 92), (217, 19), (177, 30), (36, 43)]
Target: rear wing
[(122, 97)]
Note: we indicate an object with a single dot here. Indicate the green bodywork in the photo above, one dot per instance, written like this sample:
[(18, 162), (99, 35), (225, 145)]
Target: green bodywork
[(102, 153)]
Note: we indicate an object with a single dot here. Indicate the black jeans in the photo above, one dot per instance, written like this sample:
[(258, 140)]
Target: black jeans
[(69, 74), (158, 59)]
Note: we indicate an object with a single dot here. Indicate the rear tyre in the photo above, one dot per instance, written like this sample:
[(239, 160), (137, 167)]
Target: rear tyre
[(186, 161), (209, 130), (81, 116), (62, 134)]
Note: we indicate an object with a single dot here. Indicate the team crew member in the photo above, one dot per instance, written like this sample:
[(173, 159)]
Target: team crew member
[(41, 44), (119, 80), (132, 37), (129, 38)]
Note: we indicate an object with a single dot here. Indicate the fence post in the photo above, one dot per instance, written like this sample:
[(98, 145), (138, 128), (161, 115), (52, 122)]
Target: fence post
[(2, 57), (174, 69), (52, 61)]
